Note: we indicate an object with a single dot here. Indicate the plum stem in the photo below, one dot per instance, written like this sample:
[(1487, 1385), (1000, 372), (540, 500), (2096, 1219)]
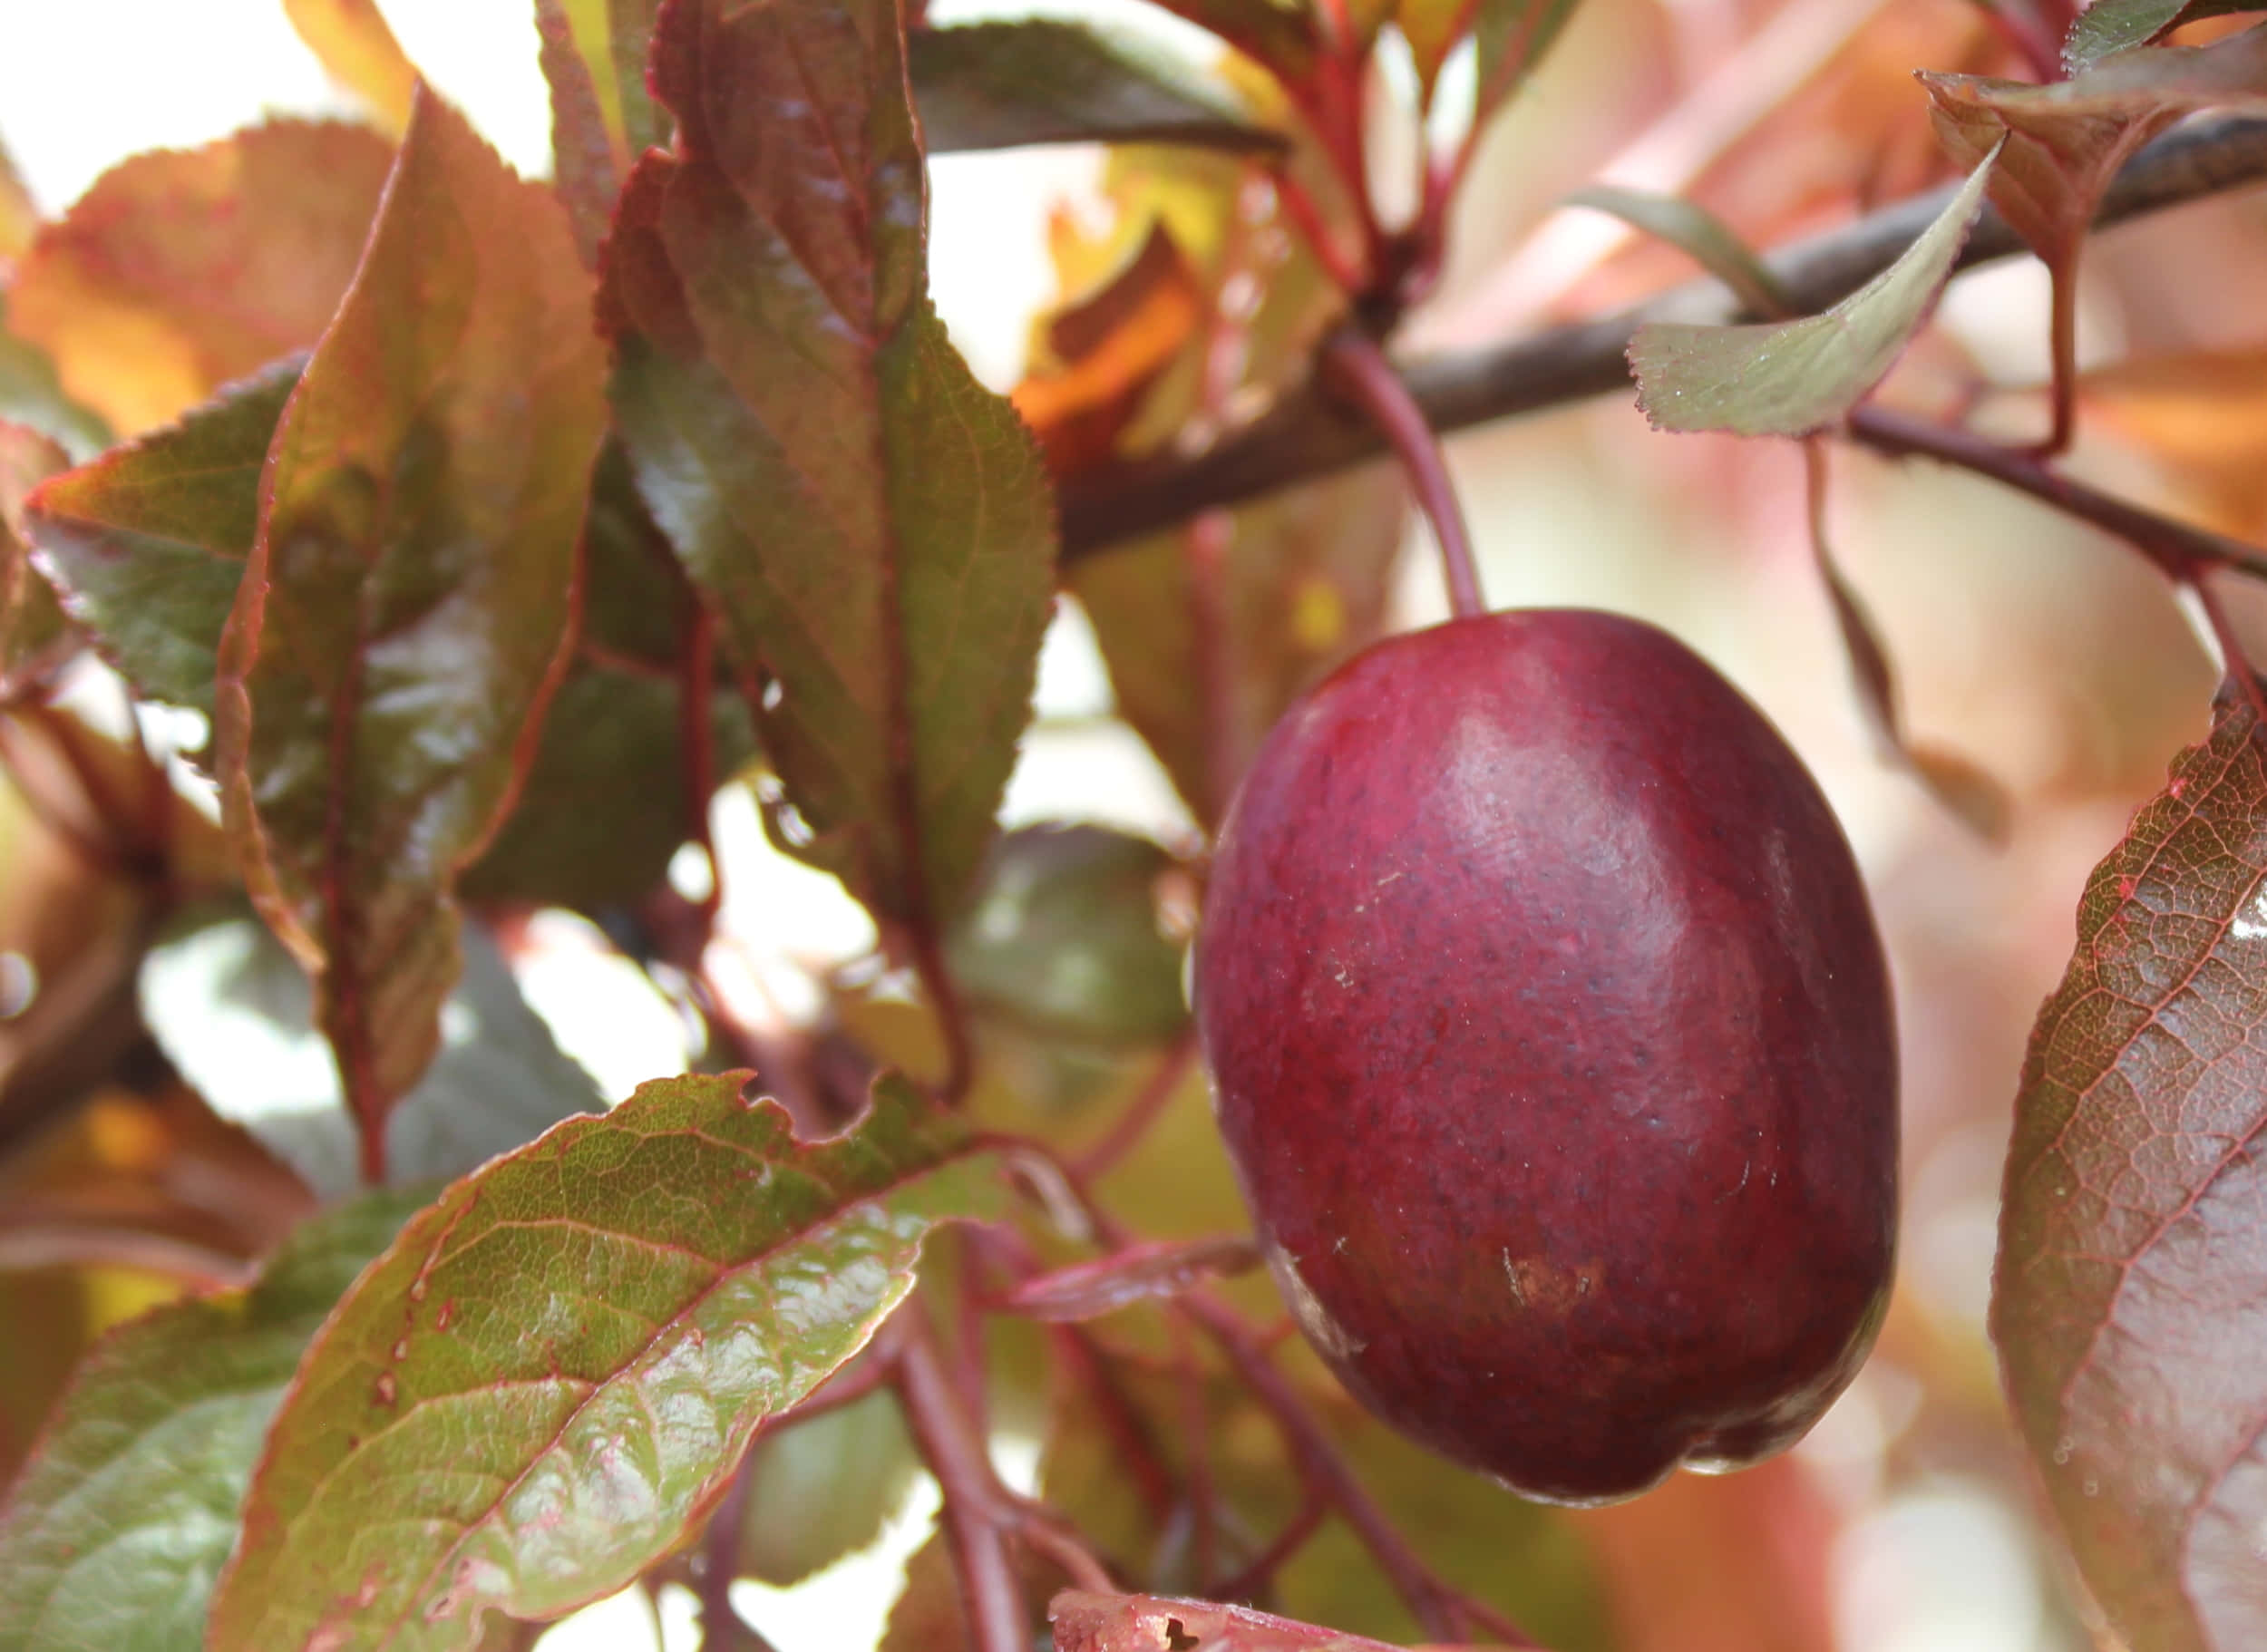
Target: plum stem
[(1356, 369)]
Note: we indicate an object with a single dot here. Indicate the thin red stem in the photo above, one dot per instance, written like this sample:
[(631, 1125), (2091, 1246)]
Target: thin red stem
[(1133, 1122), (1357, 369), (2176, 549), (721, 1624), (1270, 1560), (954, 1449), (2062, 389), (1308, 218)]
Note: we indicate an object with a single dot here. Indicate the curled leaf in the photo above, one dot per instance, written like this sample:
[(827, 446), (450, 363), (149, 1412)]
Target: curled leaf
[(2130, 1303), (555, 1368), (1702, 237), (1791, 378)]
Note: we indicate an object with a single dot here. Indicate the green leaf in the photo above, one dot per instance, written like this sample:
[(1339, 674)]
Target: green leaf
[(31, 394), (1066, 938), (1791, 378), (995, 85), (2060, 146), (1510, 37), (1700, 236), (35, 637), (1297, 584), (2130, 1302), (119, 1525), (533, 1394), (146, 543), (872, 527), (2108, 26), (1278, 35), (408, 603), (181, 270), (822, 1488), (593, 54), (235, 1015)]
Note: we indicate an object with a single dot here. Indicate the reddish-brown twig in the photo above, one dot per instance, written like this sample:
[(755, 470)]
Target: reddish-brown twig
[(1136, 1118)]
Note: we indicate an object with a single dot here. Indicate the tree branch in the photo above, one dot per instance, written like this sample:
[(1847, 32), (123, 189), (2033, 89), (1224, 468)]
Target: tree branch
[(1309, 434)]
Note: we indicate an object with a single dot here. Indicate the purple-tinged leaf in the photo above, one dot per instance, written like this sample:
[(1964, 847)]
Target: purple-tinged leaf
[(602, 117), (2110, 26), (407, 604), (146, 543), (181, 270), (1142, 1273), (1039, 79), (2061, 145), (550, 1375), (116, 1529), (2130, 1303), (1791, 378), (872, 527)]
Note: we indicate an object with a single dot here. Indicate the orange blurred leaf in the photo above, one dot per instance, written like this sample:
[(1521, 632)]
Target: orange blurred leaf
[(19, 220), (357, 50), (182, 269), (1109, 347), (2201, 415)]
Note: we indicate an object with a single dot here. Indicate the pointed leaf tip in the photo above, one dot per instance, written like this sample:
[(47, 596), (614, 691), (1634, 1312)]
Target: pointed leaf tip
[(416, 551), (526, 1401), (1793, 378)]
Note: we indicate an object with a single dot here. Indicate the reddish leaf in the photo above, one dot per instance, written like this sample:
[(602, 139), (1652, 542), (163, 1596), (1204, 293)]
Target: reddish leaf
[(146, 543), (2064, 142), (2130, 1299), (404, 612), (182, 269), (33, 637), (1278, 37), (532, 1396), (1152, 1623), (1792, 378), (602, 117), (1140, 1273), (872, 527), (354, 45), (2108, 26)]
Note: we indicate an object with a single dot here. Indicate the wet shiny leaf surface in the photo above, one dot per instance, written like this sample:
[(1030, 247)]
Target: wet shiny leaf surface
[(556, 1366), (405, 610)]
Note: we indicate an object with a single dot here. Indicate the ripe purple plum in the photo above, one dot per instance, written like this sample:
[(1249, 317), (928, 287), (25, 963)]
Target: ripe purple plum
[(1551, 1039)]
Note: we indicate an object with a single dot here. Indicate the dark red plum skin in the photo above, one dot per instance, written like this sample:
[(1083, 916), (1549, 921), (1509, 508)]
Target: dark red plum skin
[(1551, 1036)]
